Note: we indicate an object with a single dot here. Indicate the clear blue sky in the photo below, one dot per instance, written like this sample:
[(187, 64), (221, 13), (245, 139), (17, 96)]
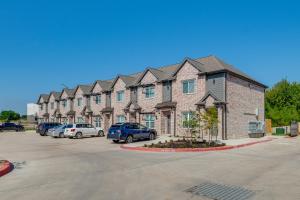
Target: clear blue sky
[(44, 44)]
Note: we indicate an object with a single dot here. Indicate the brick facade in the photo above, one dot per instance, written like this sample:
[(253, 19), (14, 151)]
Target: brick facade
[(244, 99)]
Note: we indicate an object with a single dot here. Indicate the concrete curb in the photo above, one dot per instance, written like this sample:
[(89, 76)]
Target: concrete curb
[(146, 149), (6, 167)]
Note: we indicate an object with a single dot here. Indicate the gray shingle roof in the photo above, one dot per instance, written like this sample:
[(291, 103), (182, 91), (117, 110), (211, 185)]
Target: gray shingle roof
[(209, 64), (45, 98), (128, 80), (105, 85), (56, 95), (69, 92), (215, 64), (86, 89)]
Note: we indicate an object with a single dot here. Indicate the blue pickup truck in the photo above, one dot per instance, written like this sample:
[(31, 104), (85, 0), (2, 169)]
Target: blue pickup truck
[(129, 132)]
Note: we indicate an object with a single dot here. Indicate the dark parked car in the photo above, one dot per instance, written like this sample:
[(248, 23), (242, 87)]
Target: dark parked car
[(129, 132), (43, 128), (11, 126)]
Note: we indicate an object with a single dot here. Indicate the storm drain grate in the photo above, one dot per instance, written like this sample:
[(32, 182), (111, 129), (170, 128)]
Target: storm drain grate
[(221, 192)]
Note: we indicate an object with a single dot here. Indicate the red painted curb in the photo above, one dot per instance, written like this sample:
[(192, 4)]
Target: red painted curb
[(192, 149), (5, 168)]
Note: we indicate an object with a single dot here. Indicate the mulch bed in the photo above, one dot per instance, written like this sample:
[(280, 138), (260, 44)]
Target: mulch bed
[(185, 144)]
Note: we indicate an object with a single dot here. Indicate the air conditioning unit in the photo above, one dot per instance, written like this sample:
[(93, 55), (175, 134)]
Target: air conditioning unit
[(256, 129)]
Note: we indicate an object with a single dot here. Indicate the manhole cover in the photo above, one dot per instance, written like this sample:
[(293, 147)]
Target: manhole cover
[(221, 192)]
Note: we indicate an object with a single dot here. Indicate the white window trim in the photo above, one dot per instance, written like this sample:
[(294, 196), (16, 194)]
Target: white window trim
[(123, 96), (150, 121), (150, 97), (118, 117), (187, 80), (81, 100), (98, 99), (182, 113)]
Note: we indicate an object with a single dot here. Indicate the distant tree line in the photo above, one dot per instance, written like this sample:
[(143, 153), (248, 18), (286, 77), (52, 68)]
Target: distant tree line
[(9, 115), (283, 103)]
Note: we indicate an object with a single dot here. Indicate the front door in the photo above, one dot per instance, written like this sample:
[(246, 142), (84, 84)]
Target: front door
[(168, 124), (132, 117)]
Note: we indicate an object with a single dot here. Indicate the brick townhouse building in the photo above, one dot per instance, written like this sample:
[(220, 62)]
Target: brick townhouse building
[(163, 97)]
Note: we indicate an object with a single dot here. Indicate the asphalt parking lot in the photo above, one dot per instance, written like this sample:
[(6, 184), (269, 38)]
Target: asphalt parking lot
[(95, 168)]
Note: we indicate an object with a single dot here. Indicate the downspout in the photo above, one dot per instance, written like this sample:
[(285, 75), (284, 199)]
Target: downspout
[(225, 107), (175, 121)]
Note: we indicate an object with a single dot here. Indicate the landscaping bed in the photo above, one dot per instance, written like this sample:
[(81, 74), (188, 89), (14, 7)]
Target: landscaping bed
[(182, 143)]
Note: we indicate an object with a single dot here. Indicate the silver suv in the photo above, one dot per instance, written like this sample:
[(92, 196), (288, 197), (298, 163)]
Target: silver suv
[(81, 130)]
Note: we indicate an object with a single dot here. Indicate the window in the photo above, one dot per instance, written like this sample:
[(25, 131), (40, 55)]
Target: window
[(188, 86), (121, 119), (98, 99), (52, 106), (186, 119), (88, 101), (149, 92), (80, 120), (64, 103), (120, 96), (79, 102), (41, 106), (150, 118), (97, 121)]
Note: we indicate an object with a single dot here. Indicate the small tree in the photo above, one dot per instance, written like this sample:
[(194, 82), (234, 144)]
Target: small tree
[(209, 120)]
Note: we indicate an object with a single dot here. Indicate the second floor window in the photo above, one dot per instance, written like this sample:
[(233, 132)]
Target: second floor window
[(98, 99), (52, 106), (41, 107), (120, 96), (64, 103), (149, 92), (188, 86), (79, 102)]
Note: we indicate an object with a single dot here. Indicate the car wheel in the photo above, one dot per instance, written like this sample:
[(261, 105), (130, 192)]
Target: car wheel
[(61, 135), (152, 136), (100, 133), (78, 135), (115, 141), (129, 139)]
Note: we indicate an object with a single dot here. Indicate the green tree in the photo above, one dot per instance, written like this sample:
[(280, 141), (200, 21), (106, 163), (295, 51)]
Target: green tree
[(209, 120), (8, 115), (283, 103)]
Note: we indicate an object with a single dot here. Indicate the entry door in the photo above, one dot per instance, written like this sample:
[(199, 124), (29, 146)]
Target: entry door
[(168, 124), (132, 117), (106, 122)]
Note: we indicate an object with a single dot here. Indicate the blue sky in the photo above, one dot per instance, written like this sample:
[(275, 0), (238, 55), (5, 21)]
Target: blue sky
[(44, 44)]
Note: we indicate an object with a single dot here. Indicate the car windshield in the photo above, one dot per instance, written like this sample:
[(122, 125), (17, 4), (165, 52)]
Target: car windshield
[(116, 125)]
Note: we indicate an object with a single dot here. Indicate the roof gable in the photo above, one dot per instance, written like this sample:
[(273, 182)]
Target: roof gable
[(56, 95), (128, 80), (44, 97), (86, 89), (199, 66), (105, 85), (68, 92)]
